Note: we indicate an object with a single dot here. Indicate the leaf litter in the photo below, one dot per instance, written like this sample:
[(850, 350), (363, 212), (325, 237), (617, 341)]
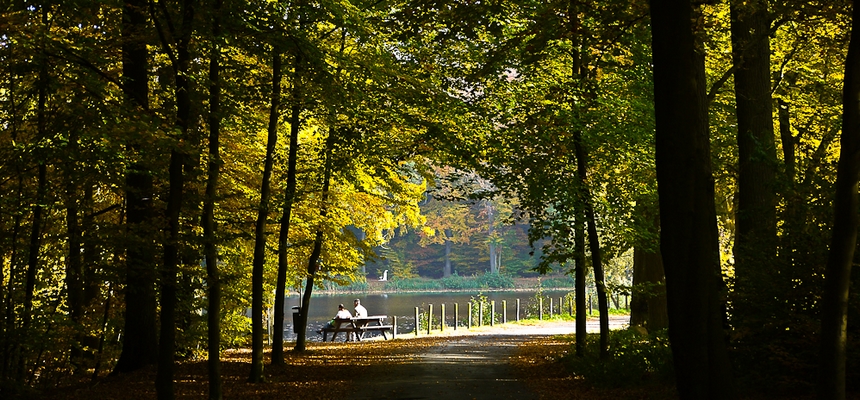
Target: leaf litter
[(332, 370)]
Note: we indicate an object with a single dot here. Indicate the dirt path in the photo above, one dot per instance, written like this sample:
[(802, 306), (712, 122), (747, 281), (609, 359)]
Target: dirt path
[(475, 364), (469, 367)]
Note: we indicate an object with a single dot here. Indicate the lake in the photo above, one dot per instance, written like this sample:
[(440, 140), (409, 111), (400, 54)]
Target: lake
[(402, 305)]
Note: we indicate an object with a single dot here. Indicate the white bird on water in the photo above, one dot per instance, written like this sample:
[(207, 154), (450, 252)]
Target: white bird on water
[(384, 276)]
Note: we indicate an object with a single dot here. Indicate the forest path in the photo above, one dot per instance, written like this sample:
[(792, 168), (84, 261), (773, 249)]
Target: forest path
[(475, 364), (468, 367)]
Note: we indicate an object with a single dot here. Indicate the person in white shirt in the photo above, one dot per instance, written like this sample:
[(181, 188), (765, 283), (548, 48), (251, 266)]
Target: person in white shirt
[(341, 314), (360, 311)]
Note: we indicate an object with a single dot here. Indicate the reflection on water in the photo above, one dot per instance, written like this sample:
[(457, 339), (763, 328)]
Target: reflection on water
[(402, 305)]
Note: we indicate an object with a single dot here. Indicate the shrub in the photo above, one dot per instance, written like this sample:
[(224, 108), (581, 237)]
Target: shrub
[(423, 314), (478, 302), (538, 304), (494, 280), (453, 282), (635, 359), (558, 282), (457, 282)]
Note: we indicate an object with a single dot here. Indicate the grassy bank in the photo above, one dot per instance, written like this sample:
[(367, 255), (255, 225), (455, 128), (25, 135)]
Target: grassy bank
[(453, 284)]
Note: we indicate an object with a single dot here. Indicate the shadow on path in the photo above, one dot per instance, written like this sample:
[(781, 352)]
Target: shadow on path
[(471, 364), (469, 367)]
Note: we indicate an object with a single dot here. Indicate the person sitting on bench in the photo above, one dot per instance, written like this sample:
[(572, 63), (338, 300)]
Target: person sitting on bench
[(360, 311), (341, 314)]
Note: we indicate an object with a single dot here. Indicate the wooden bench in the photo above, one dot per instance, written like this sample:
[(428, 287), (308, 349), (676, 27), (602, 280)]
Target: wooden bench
[(358, 326)]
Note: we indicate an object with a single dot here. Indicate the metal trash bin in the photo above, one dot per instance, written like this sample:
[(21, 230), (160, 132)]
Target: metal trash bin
[(296, 315)]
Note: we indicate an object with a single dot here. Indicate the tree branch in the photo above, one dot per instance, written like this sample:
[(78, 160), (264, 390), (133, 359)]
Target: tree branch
[(715, 88)]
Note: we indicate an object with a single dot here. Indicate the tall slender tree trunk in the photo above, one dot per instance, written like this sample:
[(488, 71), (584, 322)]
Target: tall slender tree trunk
[(313, 261), (446, 272), (789, 144), (579, 284), (74, 258), (91, 256), (41, 191), (10, 347), (210, 241), (8, 234), (688, 225), (755, 226), (834, 300), (101, 345), (593, 243), (260, 227), (169, 287), (167, 337), (788, 141), (587, 209), (74, 263), (491, 218), (289, 198), (8, 344), (33, 257), (139, 346)]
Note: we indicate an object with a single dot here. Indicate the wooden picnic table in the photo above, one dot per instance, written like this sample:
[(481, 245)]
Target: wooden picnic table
[(358, 326)]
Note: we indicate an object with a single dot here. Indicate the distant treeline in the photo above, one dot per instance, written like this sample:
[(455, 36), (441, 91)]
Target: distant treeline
[(457, 282)]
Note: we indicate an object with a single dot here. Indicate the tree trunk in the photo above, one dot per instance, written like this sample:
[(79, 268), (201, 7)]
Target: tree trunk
[(788, 141), (260, 227), (638, 292), (74, 262), (289, 198), (494, 267), (755, 226), (10, 346), (92, 256), (7, 343), (33, 256), (313, 261), (834, 300), (648, 305), (169, 286), (579, 285), (446, 272), (34, 246), (593, 243), (688, 226), (139, 346), (787, 246), (74, 258), (584, 205), (101, 346), (210, 245)]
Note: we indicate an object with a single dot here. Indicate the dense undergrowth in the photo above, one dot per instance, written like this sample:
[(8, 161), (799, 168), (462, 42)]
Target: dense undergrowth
[(635, 359), (788, 359), (776, 367)]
